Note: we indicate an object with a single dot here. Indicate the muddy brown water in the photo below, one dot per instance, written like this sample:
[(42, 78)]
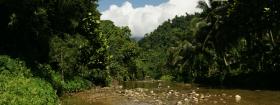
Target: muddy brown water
[(165, 93)]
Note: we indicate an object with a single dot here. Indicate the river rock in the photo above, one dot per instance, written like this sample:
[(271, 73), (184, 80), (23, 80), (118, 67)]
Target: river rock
[(136, 93), (202, 96), (169, 93), (152, 92), (187, 101), (195, 100), (237, 98), (129, 92), (196, 94), (159, 85), (136, 100), (215, 102), (159, 102), (139, 90), (176, 94), (179, 103)]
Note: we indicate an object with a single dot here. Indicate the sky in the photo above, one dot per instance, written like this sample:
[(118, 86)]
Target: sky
[(144, 16), (105, 4)]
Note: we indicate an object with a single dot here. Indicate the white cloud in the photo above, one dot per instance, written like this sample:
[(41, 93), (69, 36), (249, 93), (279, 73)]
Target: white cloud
[(145, 19)]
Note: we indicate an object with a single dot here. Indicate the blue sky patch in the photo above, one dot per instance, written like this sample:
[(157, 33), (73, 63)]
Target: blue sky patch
[(105, 4)]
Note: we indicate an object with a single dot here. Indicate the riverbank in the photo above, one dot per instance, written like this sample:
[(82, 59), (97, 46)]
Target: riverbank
[(162, 93)]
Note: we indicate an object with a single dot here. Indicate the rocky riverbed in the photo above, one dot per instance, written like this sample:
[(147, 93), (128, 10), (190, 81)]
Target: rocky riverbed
[(160, 93)]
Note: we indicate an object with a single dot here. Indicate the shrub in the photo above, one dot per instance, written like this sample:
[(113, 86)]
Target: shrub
[(19, 90), (18, 87), (53, 77), (72, 83), (76, 84), (13, 67), (166, 78)]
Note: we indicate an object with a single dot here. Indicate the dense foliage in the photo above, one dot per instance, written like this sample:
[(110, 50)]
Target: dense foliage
[(156, 44), (123, 51), (232, 42), (18, 86), (59, 40)]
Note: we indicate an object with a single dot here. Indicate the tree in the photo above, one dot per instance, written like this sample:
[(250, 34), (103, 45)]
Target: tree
[(63, 35), (122, 49)]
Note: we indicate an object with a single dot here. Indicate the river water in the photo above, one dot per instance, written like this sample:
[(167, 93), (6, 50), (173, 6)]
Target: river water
[(166, 93)]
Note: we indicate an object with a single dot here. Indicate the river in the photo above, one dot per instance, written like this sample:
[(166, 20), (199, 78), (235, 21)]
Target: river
[(166, 93)]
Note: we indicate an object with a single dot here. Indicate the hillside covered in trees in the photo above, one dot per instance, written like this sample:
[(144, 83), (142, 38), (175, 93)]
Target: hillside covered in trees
[(52, 47), (232, 43)]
